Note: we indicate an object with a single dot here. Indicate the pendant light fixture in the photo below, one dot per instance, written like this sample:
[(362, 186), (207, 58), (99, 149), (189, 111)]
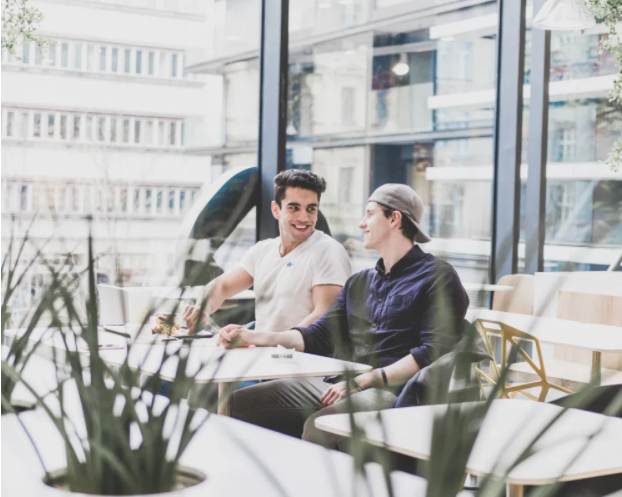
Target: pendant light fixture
[(564, 15), (401, 68)]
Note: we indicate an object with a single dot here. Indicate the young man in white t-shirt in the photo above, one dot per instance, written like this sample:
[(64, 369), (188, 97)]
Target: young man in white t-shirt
[(296, 276)]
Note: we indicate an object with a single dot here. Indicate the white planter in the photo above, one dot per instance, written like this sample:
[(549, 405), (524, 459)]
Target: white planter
[(188, 479)]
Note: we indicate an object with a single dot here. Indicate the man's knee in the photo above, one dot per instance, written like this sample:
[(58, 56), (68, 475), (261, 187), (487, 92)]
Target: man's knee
[(280, 405), (253, 398), (369, 400), (311, 433)]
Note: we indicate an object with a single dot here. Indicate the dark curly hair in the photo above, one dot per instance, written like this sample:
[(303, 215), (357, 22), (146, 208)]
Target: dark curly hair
[(297, 178)]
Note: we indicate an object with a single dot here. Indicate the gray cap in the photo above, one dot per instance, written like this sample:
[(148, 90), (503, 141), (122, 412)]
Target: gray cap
[(404, 199)]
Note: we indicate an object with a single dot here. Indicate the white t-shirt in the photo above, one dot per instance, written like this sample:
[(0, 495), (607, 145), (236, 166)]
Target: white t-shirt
[(283, 284)]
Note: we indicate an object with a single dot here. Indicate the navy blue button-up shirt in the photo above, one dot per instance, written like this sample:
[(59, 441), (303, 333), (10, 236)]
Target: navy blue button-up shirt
[(418, 308)]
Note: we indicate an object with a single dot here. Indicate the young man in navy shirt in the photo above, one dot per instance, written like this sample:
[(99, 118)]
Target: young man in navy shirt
[(397, 317)]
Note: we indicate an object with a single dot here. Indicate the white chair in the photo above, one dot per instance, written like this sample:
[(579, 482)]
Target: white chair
[(122, 305)]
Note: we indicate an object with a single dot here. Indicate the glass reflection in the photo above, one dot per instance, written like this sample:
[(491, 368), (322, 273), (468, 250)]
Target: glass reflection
[(327, 88)]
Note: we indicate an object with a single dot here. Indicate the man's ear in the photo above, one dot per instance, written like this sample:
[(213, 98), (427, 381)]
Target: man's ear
[(397, 217), (276, 211)]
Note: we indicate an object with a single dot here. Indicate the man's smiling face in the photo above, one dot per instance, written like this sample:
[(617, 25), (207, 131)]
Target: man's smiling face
[(298, 213), (376, 227)]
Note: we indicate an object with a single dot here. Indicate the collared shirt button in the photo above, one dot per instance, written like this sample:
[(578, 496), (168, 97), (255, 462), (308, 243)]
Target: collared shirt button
[(374, 325), (380, 300)]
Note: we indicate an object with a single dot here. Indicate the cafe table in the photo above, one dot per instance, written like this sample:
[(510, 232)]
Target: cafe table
[(209, 363), (578, 445), (597, 338), (236, 458)]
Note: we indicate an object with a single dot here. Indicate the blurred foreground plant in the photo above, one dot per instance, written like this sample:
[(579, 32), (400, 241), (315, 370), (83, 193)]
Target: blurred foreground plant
[(120, 439)]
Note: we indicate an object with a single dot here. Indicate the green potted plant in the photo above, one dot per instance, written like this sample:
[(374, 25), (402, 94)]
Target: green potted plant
[(119, 439), (18, 350)]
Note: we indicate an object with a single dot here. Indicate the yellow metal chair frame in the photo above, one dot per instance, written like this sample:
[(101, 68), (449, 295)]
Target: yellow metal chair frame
[(509, 338)]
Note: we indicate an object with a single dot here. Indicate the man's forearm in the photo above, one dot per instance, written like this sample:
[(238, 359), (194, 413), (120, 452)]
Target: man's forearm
[(310, 318), (290, 339), (215, 295), (397, 373)]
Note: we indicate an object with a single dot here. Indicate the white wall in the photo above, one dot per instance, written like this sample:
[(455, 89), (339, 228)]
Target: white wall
[(52, 162), (146, 241), (34, 89), (93, 22)]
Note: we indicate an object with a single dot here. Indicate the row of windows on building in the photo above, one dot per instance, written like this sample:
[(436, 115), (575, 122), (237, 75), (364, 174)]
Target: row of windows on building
[(82, 56), (193, 7), (50, 125), (85, 199)]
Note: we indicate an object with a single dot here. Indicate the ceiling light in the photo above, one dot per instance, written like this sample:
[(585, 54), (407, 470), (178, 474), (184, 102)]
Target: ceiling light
[(291, 130), (564, 15), (401, 69), (447, 38)]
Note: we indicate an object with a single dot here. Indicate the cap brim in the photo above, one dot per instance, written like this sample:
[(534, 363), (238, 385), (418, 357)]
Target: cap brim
[(421, 236)]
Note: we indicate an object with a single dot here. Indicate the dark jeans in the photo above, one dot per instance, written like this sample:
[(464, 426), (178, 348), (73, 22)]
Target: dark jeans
[(291, 405)]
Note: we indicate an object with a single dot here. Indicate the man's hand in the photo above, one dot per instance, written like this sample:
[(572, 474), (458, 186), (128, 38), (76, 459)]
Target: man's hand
[(337, 392), (195, 319), (234, 335)]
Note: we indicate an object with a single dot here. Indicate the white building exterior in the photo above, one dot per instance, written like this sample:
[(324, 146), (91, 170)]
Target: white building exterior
[(100, 125)]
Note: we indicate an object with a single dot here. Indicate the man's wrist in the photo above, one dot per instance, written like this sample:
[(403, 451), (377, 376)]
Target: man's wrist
[(369, 380), (268, 338)]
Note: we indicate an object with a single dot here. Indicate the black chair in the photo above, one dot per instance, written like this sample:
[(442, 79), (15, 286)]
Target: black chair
[(449, 378)]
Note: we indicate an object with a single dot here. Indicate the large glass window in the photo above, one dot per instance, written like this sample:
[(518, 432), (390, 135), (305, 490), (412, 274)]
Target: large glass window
[(174, 65), (328, 88), (114, 66), (64, 55), (378, 91), (51, 56), (583, 197), (139, 61), (241, 81), (128, 60), (90, 58), (102, 58), (405, 98), (77, 57), (26, 52)]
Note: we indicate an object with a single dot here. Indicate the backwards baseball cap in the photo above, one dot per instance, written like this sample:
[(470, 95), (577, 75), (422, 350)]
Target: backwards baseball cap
[(404, 199)]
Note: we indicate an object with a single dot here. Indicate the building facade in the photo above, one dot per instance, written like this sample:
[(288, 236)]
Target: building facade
[(98, 126), (138, 105)]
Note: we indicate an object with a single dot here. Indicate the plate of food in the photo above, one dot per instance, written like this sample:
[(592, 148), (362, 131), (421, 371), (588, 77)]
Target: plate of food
[(165, 324)]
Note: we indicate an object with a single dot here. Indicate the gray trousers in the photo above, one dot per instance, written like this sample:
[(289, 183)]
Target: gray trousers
[(291, 405)]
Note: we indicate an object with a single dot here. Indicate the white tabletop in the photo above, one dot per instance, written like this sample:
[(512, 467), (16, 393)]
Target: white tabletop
[(195, 292), (223, 365), (112, 336), (238, 459), (52, 338), (41, 376), (220, 365), (594, 337), (486, 287), (506, 431)]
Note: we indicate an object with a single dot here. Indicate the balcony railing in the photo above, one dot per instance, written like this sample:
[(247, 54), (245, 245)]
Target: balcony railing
[(190, 7)]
